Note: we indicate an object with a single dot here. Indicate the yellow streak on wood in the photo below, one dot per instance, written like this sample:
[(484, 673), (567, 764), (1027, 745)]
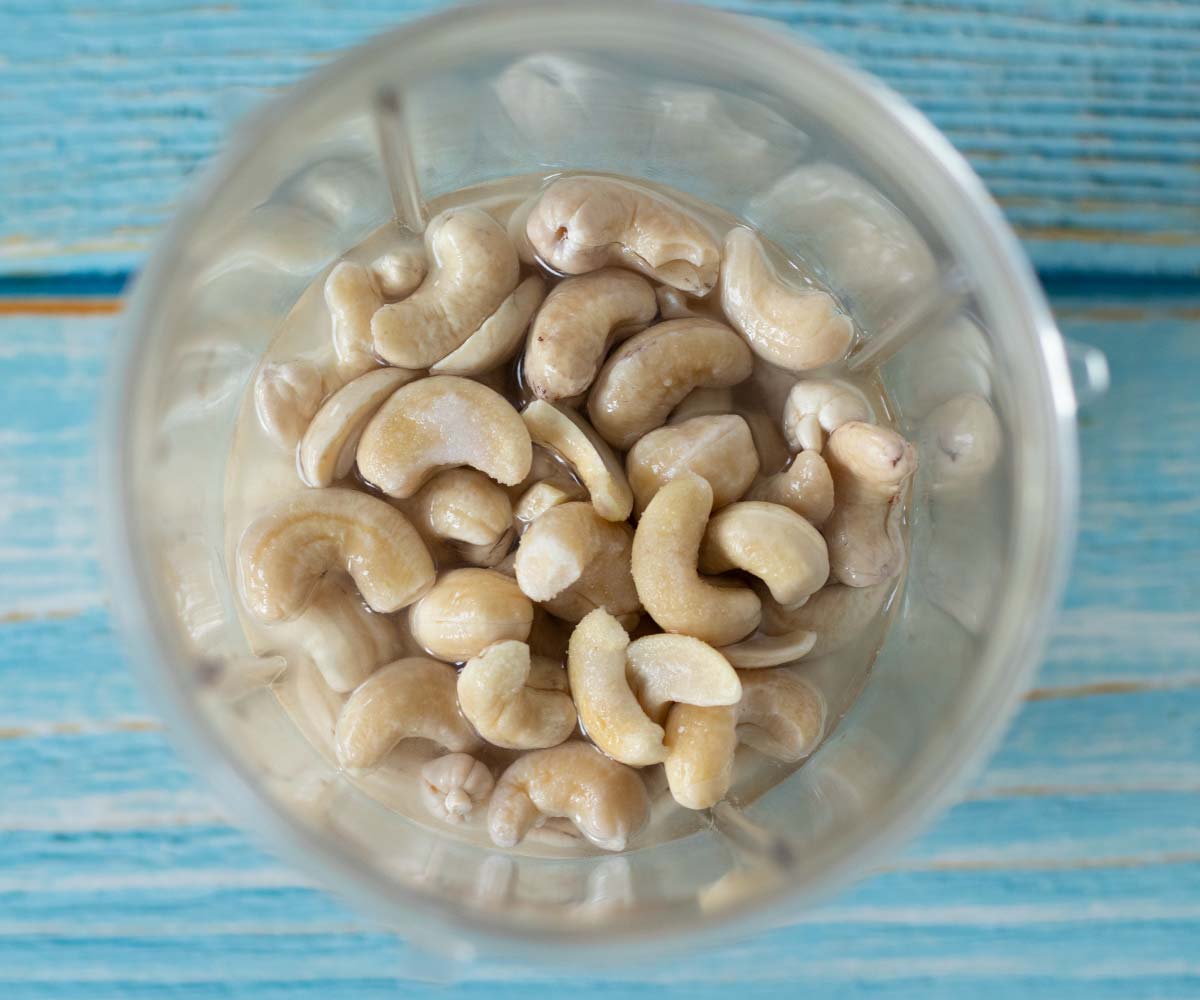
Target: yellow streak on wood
[(60, 307)]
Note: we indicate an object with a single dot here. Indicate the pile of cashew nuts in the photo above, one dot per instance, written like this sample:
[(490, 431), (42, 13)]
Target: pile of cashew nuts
[(610, 574)]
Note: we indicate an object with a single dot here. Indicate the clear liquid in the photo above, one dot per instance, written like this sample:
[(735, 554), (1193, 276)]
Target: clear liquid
[(260, 473)]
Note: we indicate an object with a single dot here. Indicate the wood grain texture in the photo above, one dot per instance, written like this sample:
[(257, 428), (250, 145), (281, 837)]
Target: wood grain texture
[(1080, 117), (1071, 869)]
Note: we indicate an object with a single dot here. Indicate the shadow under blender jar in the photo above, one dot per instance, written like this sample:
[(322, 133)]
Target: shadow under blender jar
[(829, 165)]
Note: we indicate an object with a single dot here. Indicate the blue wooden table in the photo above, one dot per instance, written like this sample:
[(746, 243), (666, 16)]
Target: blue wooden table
[(1072, 869)]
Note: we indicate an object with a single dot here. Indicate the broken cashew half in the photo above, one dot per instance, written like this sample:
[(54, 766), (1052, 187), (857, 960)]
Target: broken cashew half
[(770, 542), (762, 650), (501, 335), (440, 422), (572, 561), (666, 547), (466, 611), (455, 785), (819, 406), (805, 486), (544, 495), (645, 378), (581, 224), (580, 447), (870, 467), (328, 447), (283, 554), (792, 326), (605, 800), (414, 697), (285, 398), (475, 270), (668, 669), (578, 322), (514, 700)]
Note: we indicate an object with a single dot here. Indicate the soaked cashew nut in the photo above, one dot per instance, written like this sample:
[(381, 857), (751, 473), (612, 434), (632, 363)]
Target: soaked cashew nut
[(674, 304), (773, 453), (819, 406), (718, 449), (701, 744), (780, 715), (770, 542), (487, 554), (963, 438), (572, 561), (352, 295), (440, 422), (580, 224), (578, 322), (542, 496), (870, 467), (283, 554), (328, 447), (805, 487), (650, 374), (414, 697), (703, 403), (605, 800), (398, 273), (475, 270), (666, 547), (501, 335), (666, 669), (454, 785), (764, 650), (466, 611), (836, 614), (792, 326), (462, 505), (285, 398), (579, 446), (512, 705)]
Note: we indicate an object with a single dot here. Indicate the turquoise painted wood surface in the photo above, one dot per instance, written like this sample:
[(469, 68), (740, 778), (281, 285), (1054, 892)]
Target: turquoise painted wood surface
[(1072, 867)]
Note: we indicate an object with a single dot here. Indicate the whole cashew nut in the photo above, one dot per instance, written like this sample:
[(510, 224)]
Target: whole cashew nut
[(964, 439), (870, 467), (666, 547), (719, 449), (353, 296), (572, 561), (819, 406), (770, 542), (650, 374), (701, 744), (578, 322), (398, 274), (837, 614), (283, 554), (581, 448), (462, 505), (437, 423), (466, 611), (580, 224), (780, 715), (285, 398), (605, 800), (328, 447), (475, 270), (788, 325), (500, 336), (805, 486), (414, 697), (453, 786), (510, 703)]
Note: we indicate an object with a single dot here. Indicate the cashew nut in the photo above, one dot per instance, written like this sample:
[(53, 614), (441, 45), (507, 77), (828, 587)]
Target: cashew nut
[(499, 337), (572, 561), (792, 326), (513, 705), (837, 614), (580, 319), (605, 800), (466, 611), (701, 743), (398, 273), (328, 447), (414, 697), (462, 505), (870, 466), (352, 295), (719, 449), (819, 406), (805, 487), (580, 224), (674, 304), (773, 453), (780, 715), (437, 423), (770, 542), (452, 786), (285, 398), (963, 437), (283, 554), (666, 547), (542, 496), (702, 402), (475, 269), (487, 554), (650, 374), (578, 445), (664, 669), (762, 650)]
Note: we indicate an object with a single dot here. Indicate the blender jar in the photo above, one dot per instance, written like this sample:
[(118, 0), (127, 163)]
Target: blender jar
[(829, 165)]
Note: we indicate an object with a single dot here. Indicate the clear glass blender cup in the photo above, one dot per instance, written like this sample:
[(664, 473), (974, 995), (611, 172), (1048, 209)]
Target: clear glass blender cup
[(829, 165)]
